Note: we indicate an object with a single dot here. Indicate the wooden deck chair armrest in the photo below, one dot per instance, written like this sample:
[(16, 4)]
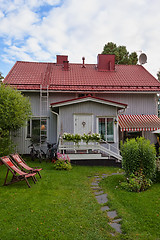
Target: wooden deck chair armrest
[(37, 168), (30, 175)]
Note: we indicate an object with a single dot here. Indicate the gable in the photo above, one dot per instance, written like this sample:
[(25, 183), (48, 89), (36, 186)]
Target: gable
[(86, 100)]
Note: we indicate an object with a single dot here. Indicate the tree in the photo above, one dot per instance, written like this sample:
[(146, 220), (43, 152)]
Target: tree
[(1, 77), (122, 56), (15, 110), (158, 75)]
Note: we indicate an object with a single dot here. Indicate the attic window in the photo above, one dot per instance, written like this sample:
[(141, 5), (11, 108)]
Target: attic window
[(85, 94)]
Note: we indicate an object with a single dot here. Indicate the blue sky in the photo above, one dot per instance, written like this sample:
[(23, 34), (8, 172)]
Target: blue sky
[(38, 30)]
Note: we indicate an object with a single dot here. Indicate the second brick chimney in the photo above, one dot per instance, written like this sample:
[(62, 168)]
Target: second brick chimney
[(106, 62), (61, 59)]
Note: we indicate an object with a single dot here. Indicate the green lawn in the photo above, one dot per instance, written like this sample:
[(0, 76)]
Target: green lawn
[(140, 212), (62, 206)]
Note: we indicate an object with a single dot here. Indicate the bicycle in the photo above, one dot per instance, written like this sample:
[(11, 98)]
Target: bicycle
[(52, 149), (36, 153)]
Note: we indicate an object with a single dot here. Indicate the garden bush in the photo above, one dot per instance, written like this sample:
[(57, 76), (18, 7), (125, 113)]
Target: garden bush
[(139, 163), (130, 156), (139, 154), (157, 174), (136, 182)]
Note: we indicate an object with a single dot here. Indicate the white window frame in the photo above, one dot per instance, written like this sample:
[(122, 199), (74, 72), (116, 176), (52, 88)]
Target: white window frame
[(114, 126), (28, 136)]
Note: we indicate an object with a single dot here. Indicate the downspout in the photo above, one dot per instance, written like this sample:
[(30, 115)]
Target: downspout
[(57, 122)]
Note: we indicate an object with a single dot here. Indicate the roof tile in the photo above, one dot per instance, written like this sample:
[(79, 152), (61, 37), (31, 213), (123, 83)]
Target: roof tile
[(30, 75)]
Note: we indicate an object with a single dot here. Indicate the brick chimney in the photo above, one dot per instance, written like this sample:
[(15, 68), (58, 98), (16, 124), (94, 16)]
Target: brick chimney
[(106, 62), (61, 59), (66, 65)]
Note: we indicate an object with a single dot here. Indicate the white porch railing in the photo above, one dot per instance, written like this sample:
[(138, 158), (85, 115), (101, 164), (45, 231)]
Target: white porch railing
[(108, 149)]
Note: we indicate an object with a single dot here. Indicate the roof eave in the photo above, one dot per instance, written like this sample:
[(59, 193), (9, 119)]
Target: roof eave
[(89, 99)]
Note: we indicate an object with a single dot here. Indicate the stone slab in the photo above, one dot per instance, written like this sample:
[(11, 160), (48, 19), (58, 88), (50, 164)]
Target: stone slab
[(104, 174), (96, 188), (112, 214), (94, 184), (117, 220), (104, 208), (102, 198), (98, 193), (97, 178), (116, 226)]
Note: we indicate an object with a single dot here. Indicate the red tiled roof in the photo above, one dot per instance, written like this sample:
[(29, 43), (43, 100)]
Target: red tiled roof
[(30, 75)]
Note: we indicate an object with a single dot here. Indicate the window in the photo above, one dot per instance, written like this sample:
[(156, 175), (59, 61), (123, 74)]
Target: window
[(106, 129), (85, 94), (34, 130)]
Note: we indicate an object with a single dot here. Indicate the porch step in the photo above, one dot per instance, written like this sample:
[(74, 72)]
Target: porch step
[(86, 156)]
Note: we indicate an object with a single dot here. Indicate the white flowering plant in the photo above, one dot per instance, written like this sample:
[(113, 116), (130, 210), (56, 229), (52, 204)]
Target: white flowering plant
[(91, 137)]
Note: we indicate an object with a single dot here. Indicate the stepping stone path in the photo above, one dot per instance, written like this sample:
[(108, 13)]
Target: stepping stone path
[(102, 199)]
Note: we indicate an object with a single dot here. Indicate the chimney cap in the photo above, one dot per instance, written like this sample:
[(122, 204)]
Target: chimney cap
[(83, 64)]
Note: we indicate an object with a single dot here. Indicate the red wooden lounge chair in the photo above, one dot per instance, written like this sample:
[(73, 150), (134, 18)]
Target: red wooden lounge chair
[(22, 164), (18, 175)]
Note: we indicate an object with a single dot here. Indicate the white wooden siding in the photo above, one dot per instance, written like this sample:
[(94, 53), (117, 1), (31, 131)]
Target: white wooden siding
[(138, 103)]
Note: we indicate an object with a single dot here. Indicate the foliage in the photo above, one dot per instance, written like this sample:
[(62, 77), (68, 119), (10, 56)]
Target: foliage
[(94, 137), (15, 109), (1, 77), (62, 162), (6, 145), (122, 56), (130, 156), (136, 182), (139, 154), (158, 75), (77, 138), (157, 174)]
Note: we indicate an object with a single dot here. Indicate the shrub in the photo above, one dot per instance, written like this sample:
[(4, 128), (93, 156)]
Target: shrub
[(130, 156), (136, 182), (139, 154), (157, 174), (62, 162), (147, 155)]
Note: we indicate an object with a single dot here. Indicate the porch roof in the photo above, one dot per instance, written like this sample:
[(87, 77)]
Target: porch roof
[(139, 122), (87, 99)]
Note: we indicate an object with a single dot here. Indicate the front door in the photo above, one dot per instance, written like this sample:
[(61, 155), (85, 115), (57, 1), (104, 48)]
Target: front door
[(83, 123)]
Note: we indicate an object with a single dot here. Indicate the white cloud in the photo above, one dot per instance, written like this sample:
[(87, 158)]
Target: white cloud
[(79, 28)]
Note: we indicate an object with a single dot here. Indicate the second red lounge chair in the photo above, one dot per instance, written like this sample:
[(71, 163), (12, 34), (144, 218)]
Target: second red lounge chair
[(23, 165)]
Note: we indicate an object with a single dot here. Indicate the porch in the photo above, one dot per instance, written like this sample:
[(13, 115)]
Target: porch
[(89, 154)]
